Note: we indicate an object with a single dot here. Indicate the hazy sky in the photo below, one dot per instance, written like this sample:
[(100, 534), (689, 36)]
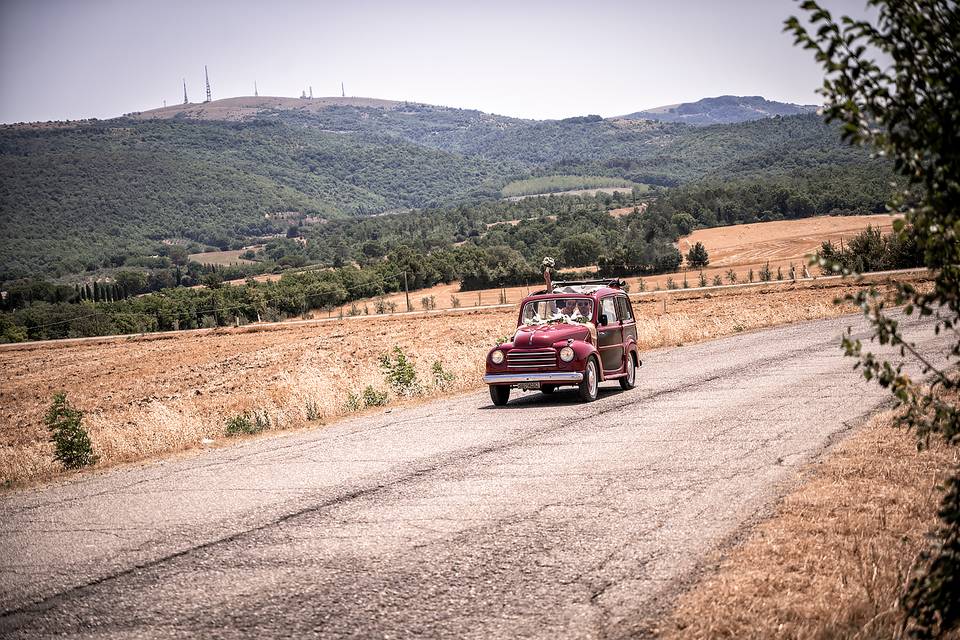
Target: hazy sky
[(70, 59)]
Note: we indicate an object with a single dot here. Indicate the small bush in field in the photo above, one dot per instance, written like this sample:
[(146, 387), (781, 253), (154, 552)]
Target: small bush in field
[(641, 285), (702, 280), (313, 410), (686, 284), (455, 302), (374, 398), (73, 447), (441, 378), (765, 274), (248, 423), (671, 284), (750, 275), (399, 371), (731, 276), (380, 306), (353, 402), (717, 280)]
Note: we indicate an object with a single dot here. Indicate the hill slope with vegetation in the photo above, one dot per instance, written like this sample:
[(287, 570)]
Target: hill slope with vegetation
[(78, 197), (722, 110)]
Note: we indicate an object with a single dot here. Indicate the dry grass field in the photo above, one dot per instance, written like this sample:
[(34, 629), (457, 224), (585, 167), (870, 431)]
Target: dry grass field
[(149, 396), (221, 258), (835, 557), (750, 246)]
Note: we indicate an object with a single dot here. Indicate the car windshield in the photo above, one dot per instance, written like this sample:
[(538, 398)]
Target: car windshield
[(557, 309)]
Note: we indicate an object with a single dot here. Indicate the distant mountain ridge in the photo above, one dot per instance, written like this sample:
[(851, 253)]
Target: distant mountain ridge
[(722, 110)]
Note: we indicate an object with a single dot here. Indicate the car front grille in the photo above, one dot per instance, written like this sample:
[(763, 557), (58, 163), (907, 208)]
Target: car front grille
[(533, 359)]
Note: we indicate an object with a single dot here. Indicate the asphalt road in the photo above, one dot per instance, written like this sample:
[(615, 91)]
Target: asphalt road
[(545, 519)]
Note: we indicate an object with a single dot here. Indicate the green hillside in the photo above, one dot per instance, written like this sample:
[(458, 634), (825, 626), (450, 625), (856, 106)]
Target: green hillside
[(83, 196), (74, 196)]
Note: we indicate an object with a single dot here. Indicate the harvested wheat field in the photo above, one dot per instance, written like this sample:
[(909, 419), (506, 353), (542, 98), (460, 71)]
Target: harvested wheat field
[(221, 258), (833, 560), (147, 396), (782, 243)]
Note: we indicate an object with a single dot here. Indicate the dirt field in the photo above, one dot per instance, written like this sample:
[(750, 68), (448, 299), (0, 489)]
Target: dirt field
[(221, 257), (149, 396), (745, 246), (834, 559), (573, 192)]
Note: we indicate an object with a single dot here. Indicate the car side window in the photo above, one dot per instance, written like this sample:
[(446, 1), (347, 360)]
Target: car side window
[(626, 311), (608, 307)]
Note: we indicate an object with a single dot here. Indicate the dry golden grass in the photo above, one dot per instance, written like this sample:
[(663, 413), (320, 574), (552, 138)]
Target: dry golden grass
[(833, 560), (221, 258), (782, 243), (145, 397)]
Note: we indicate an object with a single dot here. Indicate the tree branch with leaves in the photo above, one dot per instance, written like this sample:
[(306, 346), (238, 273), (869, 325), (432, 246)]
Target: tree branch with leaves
[(893, 84)]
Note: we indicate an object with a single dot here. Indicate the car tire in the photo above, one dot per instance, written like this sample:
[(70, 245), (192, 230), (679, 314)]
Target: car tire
[(499, 394), (590, 386), (547, 389), (630, 380)]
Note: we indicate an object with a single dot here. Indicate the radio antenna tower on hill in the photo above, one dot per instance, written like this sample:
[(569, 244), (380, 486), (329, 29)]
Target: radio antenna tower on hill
[(311, 93), (185, 101), (255, 92), (207, 75), (343, 92)]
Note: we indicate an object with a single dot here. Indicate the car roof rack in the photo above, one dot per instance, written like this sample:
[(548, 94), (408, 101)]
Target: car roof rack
[(613, 283)]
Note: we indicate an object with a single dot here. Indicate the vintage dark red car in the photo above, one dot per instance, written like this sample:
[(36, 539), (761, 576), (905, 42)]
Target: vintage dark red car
[(573, 334)]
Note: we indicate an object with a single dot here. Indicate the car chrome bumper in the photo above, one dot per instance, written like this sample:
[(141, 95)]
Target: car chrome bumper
[(560, 377)]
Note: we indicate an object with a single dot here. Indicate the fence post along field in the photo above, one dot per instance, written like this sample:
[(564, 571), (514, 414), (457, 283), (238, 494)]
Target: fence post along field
[(908, 109)]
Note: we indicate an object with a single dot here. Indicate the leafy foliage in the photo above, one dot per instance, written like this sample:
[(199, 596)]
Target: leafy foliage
[(73, 448), (909, 110), (374, 398), (697, 256), (248, 423), (870, 250), (400, 373)]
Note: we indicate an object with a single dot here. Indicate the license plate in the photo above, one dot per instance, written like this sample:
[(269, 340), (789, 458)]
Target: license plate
[(529, 386)]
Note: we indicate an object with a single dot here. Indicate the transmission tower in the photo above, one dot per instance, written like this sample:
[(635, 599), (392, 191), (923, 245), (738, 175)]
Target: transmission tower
[(311, 93), (343, 92), (255, 92), (185, 100), (207, 75)]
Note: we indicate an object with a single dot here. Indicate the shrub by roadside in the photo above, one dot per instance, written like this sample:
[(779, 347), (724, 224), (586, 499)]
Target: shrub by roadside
[(71, 441)]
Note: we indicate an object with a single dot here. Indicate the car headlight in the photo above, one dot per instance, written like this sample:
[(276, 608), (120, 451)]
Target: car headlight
[(496, 357), (567, 354)]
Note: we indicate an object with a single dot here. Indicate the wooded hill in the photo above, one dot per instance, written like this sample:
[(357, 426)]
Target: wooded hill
[(81, 196)]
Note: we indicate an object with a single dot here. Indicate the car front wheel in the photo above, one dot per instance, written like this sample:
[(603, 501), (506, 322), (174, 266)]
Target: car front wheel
[(499, 394), (589, 386), (630, 380)]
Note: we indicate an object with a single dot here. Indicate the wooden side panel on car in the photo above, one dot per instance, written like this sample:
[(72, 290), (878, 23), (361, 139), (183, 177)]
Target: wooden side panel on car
[(610, 337)]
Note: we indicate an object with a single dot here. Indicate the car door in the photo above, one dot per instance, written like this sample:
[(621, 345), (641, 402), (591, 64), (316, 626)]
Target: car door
[(610, 337), (627, 321)]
